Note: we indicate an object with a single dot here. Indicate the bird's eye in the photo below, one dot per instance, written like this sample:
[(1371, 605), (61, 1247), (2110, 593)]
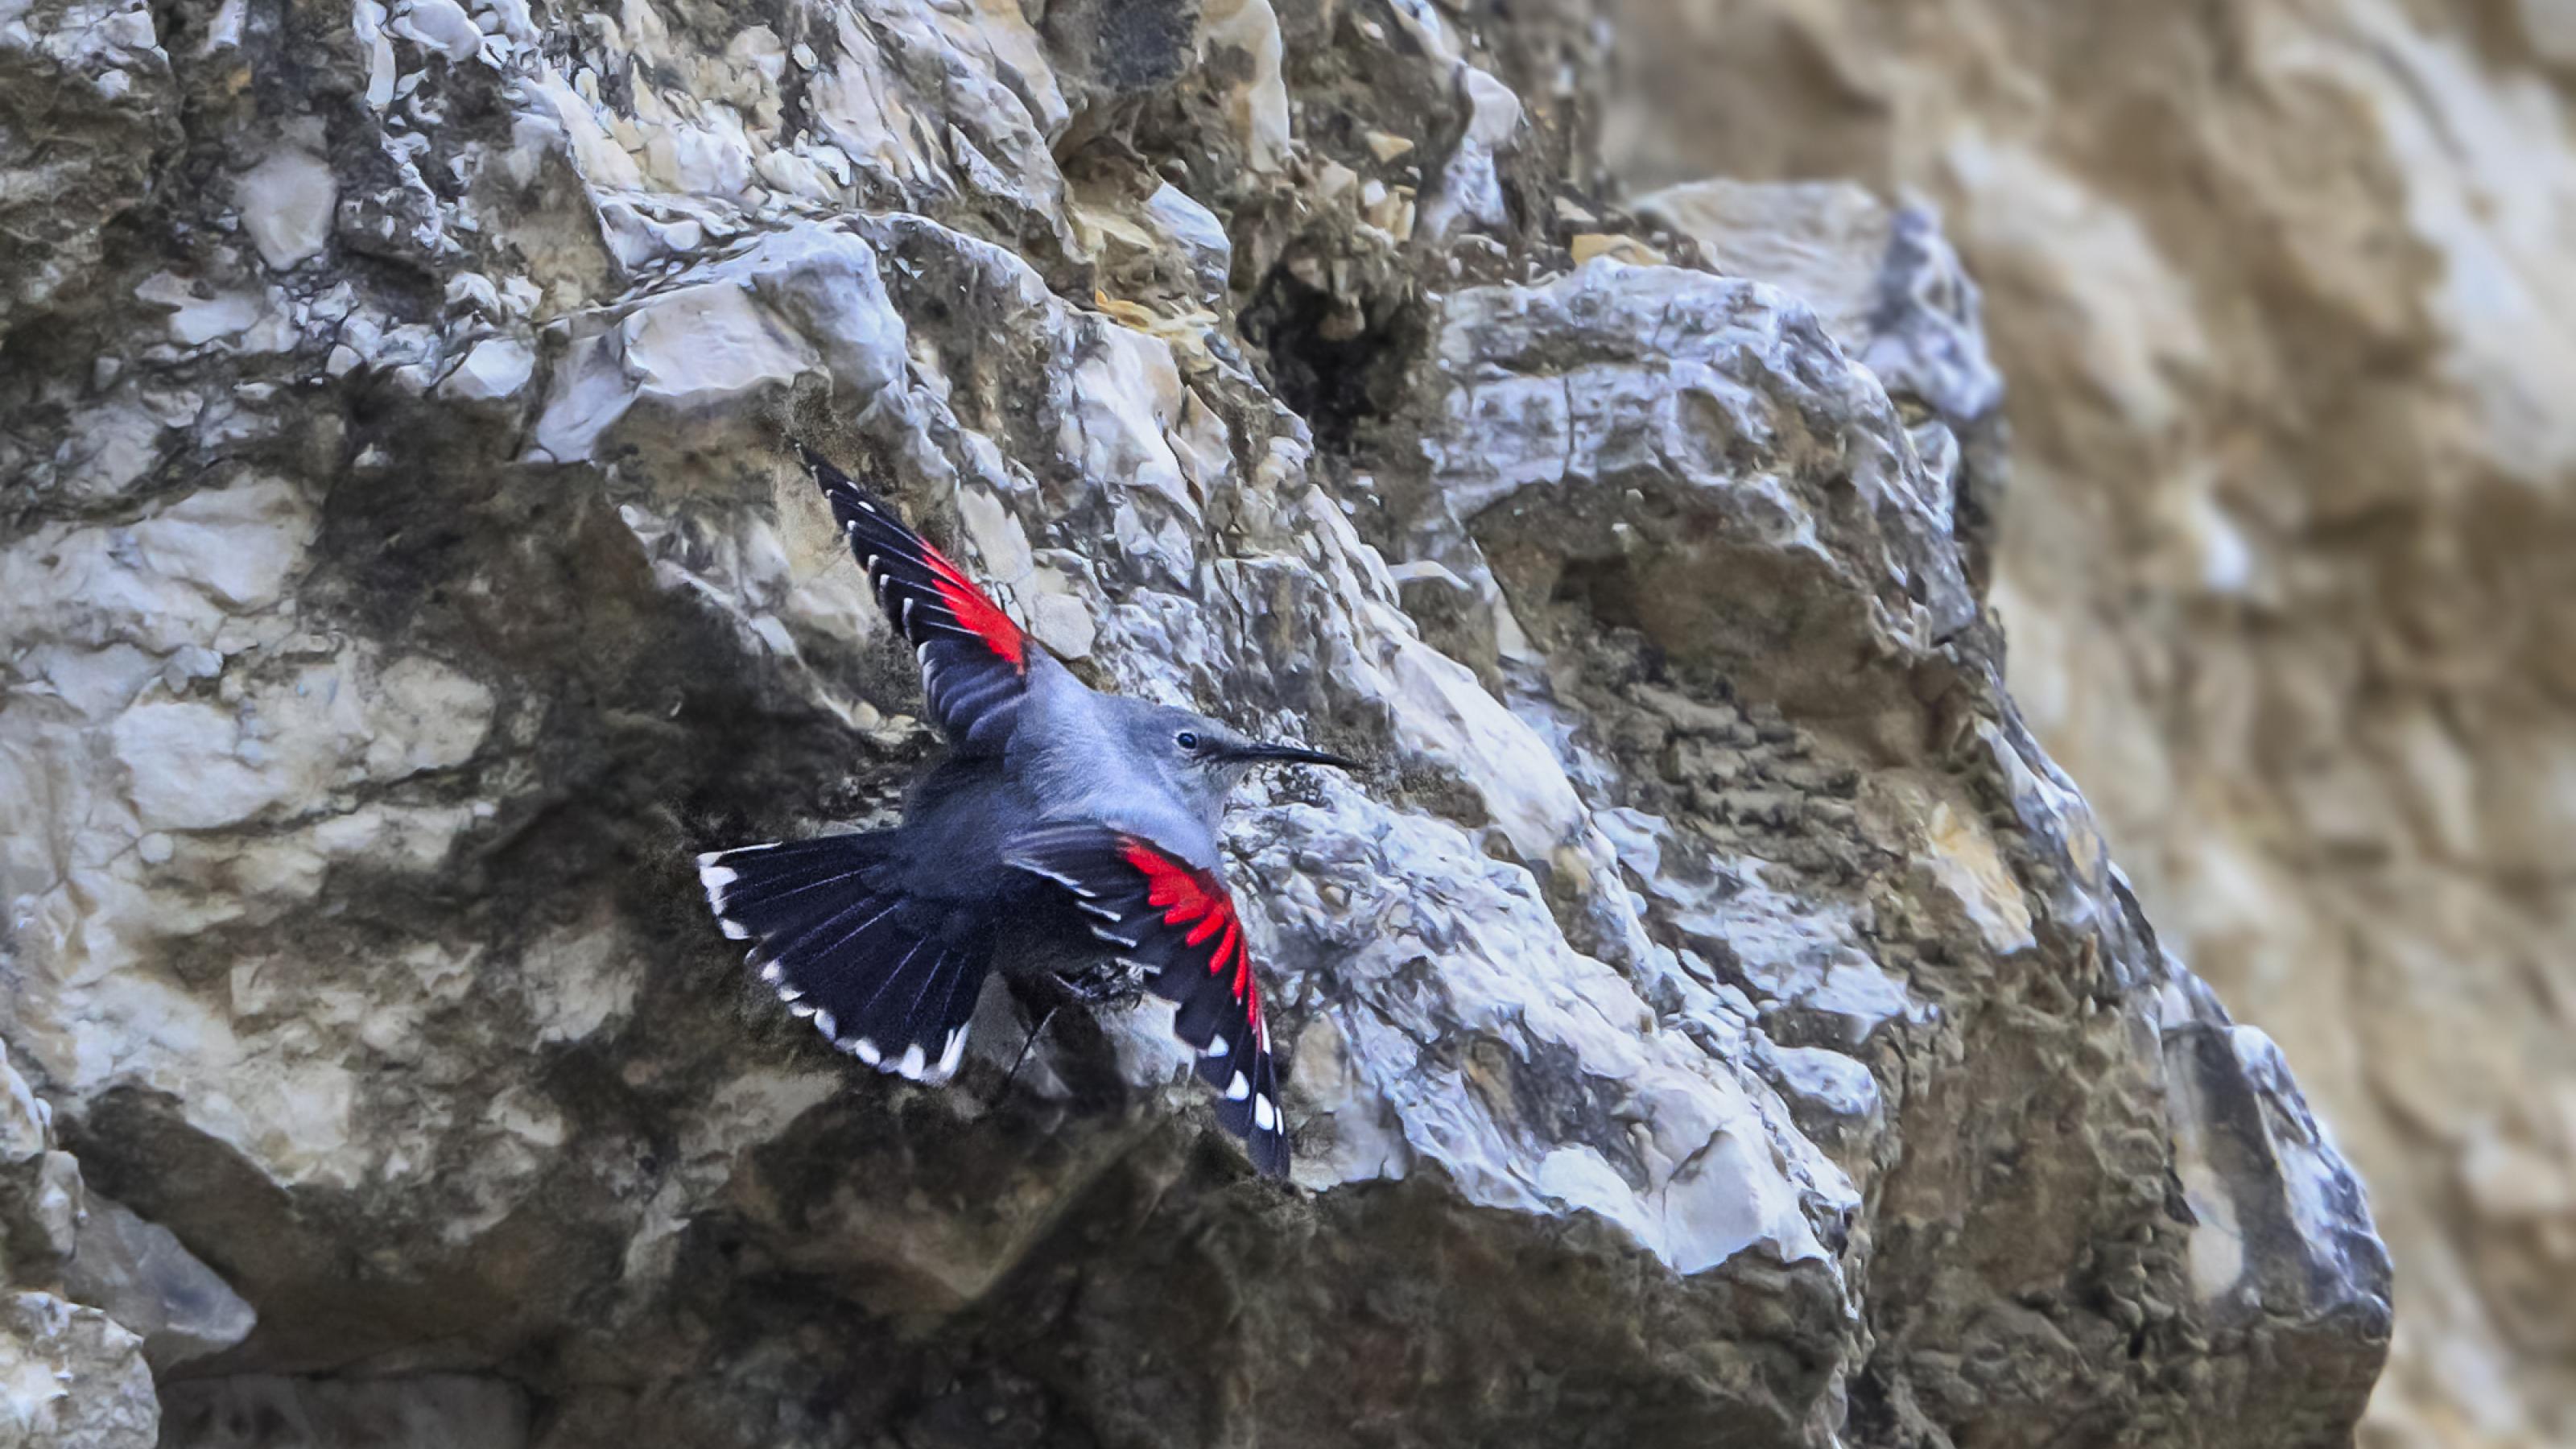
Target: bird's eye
[(1187, 739)]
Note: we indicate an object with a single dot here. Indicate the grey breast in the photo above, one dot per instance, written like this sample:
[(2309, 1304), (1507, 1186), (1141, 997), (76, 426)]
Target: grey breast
[(1075, 763)]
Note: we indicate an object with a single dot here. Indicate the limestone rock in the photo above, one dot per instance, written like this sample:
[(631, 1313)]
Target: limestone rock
[(85, 102), (1886, 284), (40, 1185), (69, 1374), (2282, 572), (74, 1379), (287, 202), (1712, 1013), (139, 1274)]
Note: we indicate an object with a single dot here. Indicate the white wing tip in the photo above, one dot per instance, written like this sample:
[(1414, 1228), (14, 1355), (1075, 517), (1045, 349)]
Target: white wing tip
[(915, 1063), (715, 878)]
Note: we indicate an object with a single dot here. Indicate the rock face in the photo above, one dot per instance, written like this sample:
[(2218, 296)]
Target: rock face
[(69, 1373), (2281, 289), (1712, 1016)]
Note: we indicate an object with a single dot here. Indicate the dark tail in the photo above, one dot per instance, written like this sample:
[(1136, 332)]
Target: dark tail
[(887, 977)]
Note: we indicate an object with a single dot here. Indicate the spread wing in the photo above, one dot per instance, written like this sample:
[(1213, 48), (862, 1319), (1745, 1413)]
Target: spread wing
[(1177, 922), (974, 660)]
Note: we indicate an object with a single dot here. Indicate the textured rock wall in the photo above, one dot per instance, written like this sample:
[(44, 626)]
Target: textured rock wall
[(1713, 1016), (2287, 295)]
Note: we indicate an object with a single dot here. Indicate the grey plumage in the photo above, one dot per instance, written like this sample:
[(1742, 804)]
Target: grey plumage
[(1065, 820)]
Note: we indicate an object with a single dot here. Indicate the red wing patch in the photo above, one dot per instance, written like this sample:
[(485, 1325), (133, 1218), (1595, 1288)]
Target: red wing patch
[(1178, 923), (982, 617), (1195, 899), (974, 660)]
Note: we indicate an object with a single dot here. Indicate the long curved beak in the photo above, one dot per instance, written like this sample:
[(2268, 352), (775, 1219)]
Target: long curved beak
[(1274, 754)]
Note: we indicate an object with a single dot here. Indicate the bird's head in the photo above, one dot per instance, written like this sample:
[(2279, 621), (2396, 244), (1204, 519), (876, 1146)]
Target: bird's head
[(1204, 759)]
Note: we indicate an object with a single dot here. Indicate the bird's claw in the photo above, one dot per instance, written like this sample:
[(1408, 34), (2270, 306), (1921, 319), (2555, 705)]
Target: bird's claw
[(1106, 985)]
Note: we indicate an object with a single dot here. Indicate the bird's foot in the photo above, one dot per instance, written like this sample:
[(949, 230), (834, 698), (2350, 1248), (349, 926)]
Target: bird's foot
[(1109, 984)]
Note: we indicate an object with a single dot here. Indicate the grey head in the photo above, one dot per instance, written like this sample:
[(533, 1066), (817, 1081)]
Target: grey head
[(1198, 759)]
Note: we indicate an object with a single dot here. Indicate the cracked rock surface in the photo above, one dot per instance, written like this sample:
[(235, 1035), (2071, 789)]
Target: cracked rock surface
[(2283, 292), (1711, 1017)]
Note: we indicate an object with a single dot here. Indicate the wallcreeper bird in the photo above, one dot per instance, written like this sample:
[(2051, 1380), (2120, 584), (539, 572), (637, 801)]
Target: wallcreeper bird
[(1061, 815)]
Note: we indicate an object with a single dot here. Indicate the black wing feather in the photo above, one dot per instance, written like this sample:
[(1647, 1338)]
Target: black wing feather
[(974, 660), (888, 977), (1179, 923)]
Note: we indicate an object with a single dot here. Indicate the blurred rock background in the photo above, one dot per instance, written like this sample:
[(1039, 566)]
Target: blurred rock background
[(2286, 294)]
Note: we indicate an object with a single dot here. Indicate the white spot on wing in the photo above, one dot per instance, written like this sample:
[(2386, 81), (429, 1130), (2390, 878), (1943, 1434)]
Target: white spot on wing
[(866, 1051), (715, 878), (1238, 1089), (1059, 877), (770, 972), (824, 1023), (1264, 1116), (733, 930), (950, 1052), (1218, 1046), (914, 1061)]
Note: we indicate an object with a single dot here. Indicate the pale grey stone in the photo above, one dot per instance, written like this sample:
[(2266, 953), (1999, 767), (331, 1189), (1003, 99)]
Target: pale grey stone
[(497, 368), (287, 204), (142, 1276), (70, 1378)]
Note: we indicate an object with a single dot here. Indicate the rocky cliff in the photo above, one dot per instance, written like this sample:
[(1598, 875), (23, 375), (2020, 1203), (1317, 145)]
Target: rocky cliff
[(1712, 1017), (2284, 292)]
